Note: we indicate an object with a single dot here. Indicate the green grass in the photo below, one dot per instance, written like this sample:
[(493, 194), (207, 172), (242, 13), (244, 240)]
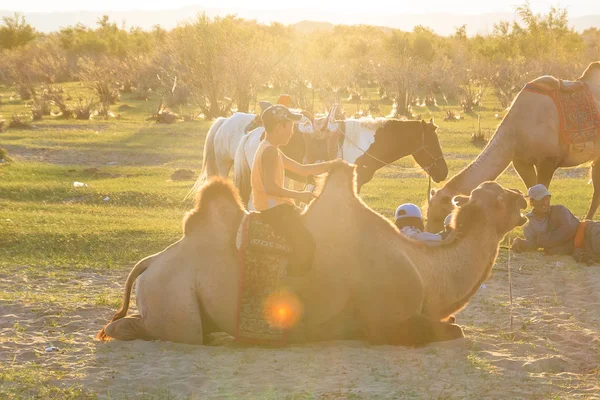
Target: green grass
[(51, 231), (45, 221)]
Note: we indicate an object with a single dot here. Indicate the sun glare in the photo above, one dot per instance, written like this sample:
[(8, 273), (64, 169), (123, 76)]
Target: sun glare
[(282, 310)]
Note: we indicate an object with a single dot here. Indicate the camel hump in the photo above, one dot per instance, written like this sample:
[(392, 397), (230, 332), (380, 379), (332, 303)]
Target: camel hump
[(549, 83), (546, 82), (217, 199)]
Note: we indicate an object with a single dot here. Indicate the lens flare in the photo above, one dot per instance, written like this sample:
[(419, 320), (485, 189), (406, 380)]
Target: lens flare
[(282, 309)]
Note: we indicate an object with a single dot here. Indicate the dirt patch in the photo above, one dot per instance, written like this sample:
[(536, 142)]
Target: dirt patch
[(553, 348)]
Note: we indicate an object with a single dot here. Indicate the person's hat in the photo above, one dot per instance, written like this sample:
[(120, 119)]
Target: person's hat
[(408, 210), (448, 220), (538, 192), (279, 113), (264, 105)]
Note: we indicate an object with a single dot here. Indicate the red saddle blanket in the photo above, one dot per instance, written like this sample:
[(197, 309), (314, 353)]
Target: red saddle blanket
[(262, 306), (577, 113)]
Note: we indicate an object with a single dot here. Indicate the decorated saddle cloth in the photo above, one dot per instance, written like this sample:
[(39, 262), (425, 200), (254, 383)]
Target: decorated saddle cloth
[(263, 311), (577, 111)]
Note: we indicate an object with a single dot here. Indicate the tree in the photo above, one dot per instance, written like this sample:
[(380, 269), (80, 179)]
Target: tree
[(16, 32)]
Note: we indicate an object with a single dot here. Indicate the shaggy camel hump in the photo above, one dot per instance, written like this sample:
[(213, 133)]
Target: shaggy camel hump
[(217, 200)]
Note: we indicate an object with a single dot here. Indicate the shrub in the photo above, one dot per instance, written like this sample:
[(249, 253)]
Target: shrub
[(19, 121), (55, 96), (84, 109), (164, 115), (39, 108)]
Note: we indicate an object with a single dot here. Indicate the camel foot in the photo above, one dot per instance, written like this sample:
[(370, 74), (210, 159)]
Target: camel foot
[(451, 319), (420, 330), (128, 328)]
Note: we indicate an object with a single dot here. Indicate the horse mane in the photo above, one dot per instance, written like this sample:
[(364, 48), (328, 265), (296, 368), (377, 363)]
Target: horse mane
[(372, 123), (589, 70), (218, 190)]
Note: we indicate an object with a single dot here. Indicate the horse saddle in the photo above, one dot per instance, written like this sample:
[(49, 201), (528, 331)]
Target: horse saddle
[(549, 83)]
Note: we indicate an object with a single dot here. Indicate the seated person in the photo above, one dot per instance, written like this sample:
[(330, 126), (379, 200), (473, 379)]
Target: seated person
[(410, 222), (550, 227), (275, 203), (447, 228)]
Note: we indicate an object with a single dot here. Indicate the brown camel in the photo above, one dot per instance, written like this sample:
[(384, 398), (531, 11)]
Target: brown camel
[(367, 282), (529, 137)]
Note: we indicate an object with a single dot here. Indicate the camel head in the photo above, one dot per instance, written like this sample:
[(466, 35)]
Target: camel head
[(592, 73), (501, 207), (439, 205)]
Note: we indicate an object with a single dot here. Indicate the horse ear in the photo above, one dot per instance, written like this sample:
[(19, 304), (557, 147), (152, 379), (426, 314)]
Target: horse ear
[(460, 200), (432, 192)]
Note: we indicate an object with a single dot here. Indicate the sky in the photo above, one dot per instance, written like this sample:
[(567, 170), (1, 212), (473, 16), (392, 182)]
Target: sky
[(574, 7)]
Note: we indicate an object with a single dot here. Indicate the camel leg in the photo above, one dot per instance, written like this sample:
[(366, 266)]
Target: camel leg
[(545, 170), (596, 196), (526, 171), (128, 328), (417, 330)]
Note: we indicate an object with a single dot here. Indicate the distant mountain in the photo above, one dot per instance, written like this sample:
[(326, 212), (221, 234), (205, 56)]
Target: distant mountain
[(305, 20)]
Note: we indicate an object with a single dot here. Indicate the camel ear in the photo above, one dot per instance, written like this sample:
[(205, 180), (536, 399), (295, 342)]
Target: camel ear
[(460, 200), (432, 122)]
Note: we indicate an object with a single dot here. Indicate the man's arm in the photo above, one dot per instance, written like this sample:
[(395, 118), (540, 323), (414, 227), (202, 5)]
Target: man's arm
[(528, 244), (305, 169), (269, 162), (564, 226), (531, 240)]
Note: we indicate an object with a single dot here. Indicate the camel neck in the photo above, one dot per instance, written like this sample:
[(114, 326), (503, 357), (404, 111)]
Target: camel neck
[(492, 161), (455, 272)]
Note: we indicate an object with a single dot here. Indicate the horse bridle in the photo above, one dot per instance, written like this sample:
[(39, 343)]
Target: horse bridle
[(423, 147)]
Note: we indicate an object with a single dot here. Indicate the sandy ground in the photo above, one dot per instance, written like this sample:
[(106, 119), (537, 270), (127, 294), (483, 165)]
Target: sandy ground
[(552, 351)]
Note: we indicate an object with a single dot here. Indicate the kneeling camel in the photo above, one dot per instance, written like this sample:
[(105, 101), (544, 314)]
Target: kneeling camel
[(367, 281)]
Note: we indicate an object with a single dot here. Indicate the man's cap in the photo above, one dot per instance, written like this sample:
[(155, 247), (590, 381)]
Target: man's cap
[(538, 192), (408, 210), (448, 219), (279, 113), (264, 105)]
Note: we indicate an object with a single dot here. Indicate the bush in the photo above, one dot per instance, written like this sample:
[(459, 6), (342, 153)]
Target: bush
[(19, 121), (451, 116), (55, 96), (39, 108), (164, 115), (84, 109), (479, 138)]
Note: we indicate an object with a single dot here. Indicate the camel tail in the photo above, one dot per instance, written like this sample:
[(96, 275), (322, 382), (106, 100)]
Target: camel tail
[(133, 275), (209, 159), (242, 171)]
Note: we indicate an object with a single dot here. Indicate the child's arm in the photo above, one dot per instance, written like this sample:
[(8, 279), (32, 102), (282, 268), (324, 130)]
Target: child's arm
[(269, 162), (305, 169)]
